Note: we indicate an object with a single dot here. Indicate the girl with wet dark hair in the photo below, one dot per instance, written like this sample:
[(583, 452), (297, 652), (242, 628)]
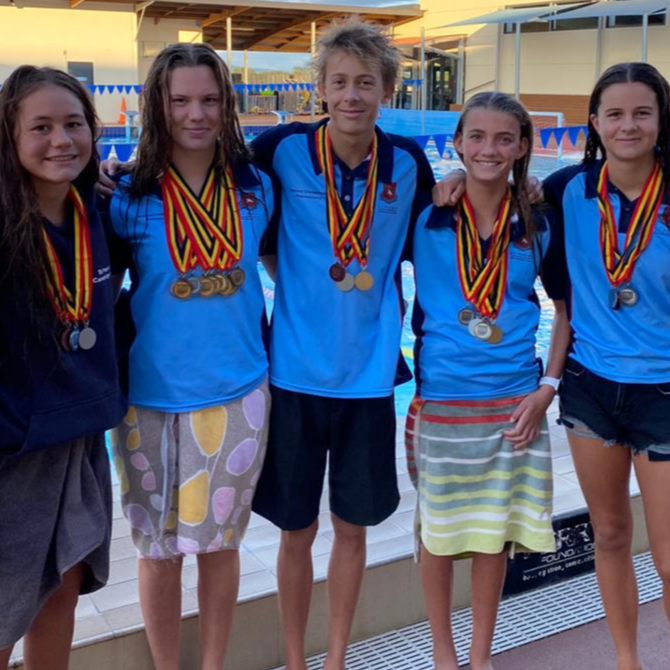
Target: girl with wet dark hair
[(59, 387), (615, 395), (193, 211)]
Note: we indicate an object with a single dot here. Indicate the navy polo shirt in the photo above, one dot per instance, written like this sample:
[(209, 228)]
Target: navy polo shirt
[(326, 342), (49, 396), (450, 363), (631, 344)]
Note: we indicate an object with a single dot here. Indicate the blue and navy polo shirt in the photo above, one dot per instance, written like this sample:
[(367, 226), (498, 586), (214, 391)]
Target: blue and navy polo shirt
[(631, 344), (201, 352), (451, 364), (326, 342), (48, 396)]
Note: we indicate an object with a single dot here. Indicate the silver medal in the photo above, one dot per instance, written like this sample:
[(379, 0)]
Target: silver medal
[(87, 338)]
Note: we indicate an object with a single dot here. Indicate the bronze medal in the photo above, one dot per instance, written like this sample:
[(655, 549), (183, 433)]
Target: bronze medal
[(364, 280), (347, 284), (207, 287), (337, 272), (237, 276), (65, 339), (181, 289), (465, 316), (496, 335)]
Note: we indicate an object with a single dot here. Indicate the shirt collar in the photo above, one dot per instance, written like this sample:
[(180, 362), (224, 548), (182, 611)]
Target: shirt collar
[(446, 217), (592, 175), (385, 155)]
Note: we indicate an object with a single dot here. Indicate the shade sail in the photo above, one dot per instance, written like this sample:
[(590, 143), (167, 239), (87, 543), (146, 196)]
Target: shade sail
[(517, 15), (621, 8)]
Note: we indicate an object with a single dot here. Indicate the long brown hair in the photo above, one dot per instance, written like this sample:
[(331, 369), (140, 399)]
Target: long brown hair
[(630, 73), (154, 151), (501, 102), (23, 259)]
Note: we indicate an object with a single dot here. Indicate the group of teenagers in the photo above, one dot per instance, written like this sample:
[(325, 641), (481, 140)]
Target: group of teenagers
[(205, 429)]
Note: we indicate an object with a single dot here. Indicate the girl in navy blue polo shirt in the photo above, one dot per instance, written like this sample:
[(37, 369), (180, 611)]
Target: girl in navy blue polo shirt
[(189, 452), (477, 439), (58, 378), (615, 396)]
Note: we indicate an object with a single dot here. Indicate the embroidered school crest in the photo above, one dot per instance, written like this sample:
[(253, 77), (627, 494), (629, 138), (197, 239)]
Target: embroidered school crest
[(522, 243), (389, 192), (249, 200)]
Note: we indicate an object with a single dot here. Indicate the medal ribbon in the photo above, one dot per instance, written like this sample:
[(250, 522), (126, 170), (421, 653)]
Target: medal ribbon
[(350, 236), (620, 265), (205, 230), (483, 279), (72, 307)]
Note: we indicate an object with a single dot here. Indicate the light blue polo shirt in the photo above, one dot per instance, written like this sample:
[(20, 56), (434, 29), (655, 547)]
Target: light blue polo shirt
[(452, 364), (201, 352), (326, 342), (631, 344)]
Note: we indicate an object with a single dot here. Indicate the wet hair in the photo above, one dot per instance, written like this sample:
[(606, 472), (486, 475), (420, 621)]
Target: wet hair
[(368, 42), (501, 102), (23, 255), (629, 73), (154, 151)]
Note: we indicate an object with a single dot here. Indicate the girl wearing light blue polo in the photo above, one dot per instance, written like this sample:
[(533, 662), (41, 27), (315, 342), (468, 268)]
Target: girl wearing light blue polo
[(615, 396), (189, 452), (477, 438)]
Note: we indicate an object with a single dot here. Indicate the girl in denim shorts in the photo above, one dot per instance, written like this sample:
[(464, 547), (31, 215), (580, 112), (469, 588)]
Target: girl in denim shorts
[(615, 394)]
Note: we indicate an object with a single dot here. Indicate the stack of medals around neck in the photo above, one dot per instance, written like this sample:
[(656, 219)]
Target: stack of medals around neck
[(73, 308), (349, 236), (483, 278), (203, 231), (619, 266)]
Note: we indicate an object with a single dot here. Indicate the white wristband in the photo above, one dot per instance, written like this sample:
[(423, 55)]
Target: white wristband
[(550, 381)]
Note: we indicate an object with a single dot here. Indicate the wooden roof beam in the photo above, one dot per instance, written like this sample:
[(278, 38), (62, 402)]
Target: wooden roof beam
[(215, 18), (305, 20), (75, 3)]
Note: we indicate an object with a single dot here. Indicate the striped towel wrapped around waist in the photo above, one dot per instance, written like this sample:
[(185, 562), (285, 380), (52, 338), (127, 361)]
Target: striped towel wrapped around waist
[(476, 493)]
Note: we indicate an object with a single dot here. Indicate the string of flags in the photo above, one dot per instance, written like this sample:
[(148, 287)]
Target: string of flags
[(572, 132), (412, 82), (126, 89)]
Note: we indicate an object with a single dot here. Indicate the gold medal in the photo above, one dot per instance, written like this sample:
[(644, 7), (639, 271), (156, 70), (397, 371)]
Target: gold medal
[(181, 289), (237, 276), (207, 287), (364, 280)]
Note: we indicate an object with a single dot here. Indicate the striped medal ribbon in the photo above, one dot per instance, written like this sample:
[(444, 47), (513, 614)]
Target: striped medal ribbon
[(483, 278), (350, 236), (203, 231), (620, 264), (73, 308)]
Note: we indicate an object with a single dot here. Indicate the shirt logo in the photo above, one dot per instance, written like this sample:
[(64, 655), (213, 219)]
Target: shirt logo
[(249, 200), (389, 192), (522, 243)]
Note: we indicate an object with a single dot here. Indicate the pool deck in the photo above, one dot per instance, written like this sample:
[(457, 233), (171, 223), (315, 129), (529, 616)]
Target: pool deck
[(114, 611)]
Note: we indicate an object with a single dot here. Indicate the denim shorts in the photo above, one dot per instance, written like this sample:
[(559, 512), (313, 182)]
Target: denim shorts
[(633, 415)]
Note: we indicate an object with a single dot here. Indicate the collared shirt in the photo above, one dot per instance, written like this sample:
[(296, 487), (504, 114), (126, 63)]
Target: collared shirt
[(49, 396), (324, 341), (631, 344), (452, 364), (203, 351)]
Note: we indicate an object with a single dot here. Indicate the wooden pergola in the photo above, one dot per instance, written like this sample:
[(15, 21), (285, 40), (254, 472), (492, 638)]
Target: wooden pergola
[(257, 25)]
